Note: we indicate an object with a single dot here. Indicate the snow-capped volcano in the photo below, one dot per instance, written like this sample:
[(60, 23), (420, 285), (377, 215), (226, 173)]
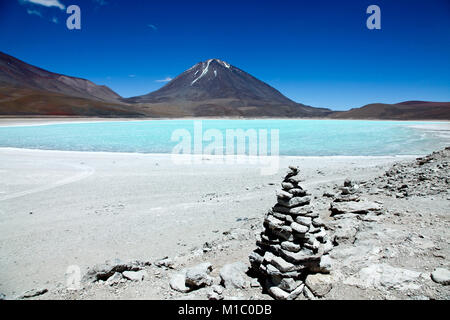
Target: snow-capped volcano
[(216, 88)]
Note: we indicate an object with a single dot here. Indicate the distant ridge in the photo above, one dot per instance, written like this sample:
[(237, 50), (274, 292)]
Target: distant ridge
[(408, 110)]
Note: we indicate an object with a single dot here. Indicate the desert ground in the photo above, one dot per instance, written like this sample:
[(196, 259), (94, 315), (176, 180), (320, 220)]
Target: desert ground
[(61, 209)]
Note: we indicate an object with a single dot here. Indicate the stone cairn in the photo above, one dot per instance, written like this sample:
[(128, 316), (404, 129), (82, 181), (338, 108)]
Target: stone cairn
[(293, 243)]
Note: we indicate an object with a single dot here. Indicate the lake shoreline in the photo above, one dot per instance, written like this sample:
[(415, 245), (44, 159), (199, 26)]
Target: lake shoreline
[(6, 121)]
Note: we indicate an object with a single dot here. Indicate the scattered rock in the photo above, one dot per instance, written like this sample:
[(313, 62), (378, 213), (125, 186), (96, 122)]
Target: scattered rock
[(198, 276), (104, 271), (115, 279), (384, 276), (178, 283), (308, 294), (211, 295), (135, 275), (345, 230), (441, 275), (233, 275), (319, 284), (361, 207), (278, 294), (33, 293), (164, 263)]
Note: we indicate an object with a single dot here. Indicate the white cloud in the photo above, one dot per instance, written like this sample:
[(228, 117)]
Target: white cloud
[(55, 20), (48, 3), (35, 12), (167, 79), (152, 26)]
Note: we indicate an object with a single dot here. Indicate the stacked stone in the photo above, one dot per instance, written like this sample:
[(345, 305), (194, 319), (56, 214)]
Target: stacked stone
[(293, 241)]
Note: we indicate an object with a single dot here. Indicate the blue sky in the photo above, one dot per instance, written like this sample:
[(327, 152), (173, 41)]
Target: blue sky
[(318, 53)]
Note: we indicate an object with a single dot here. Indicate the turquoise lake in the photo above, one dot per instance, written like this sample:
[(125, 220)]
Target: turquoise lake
[(296, 137)]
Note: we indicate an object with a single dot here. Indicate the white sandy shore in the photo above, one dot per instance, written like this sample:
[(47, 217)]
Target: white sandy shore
[(90, 207), (38, 121)]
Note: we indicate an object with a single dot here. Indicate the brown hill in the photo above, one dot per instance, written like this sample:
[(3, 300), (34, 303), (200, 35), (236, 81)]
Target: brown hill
[(24, 102), (408, 110), (28, 90)]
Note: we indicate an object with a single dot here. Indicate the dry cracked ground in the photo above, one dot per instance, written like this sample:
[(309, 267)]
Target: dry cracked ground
[(390, 235)]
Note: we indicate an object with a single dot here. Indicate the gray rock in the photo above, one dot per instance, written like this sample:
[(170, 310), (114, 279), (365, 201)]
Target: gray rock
[(217, 289), (345, 230), (294, 202), (306, 221), (299, 228), (295, 179), (303, 210), (296, 293), (255, 283), (345, 190), (348, 183), (115, 279), (441, 275), (273, 223), (325, 265), (255, 258), (165, 262), (33, 293), (278, 294), (299, 258), (308, 294), (384, 276), (291, 246), (281, 194), (311, 214), (287, 284), (346, 198), (106, 270), (211, 295), (135, 275), (284, 233), (282, 216), (178, 283), (233, 275), (318, 222), (279, 263), (272, 271), (361, 207), (287, 185), (298, 192), (319, 284), (198, 276)]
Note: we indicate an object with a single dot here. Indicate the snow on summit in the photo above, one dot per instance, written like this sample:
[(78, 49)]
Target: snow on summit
[(205, 67)]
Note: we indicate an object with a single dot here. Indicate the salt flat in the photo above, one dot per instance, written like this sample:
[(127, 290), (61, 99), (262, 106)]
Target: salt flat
[(60, 208)]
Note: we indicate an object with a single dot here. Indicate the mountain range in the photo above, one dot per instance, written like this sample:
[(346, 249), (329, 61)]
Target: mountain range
[(211, 88)]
